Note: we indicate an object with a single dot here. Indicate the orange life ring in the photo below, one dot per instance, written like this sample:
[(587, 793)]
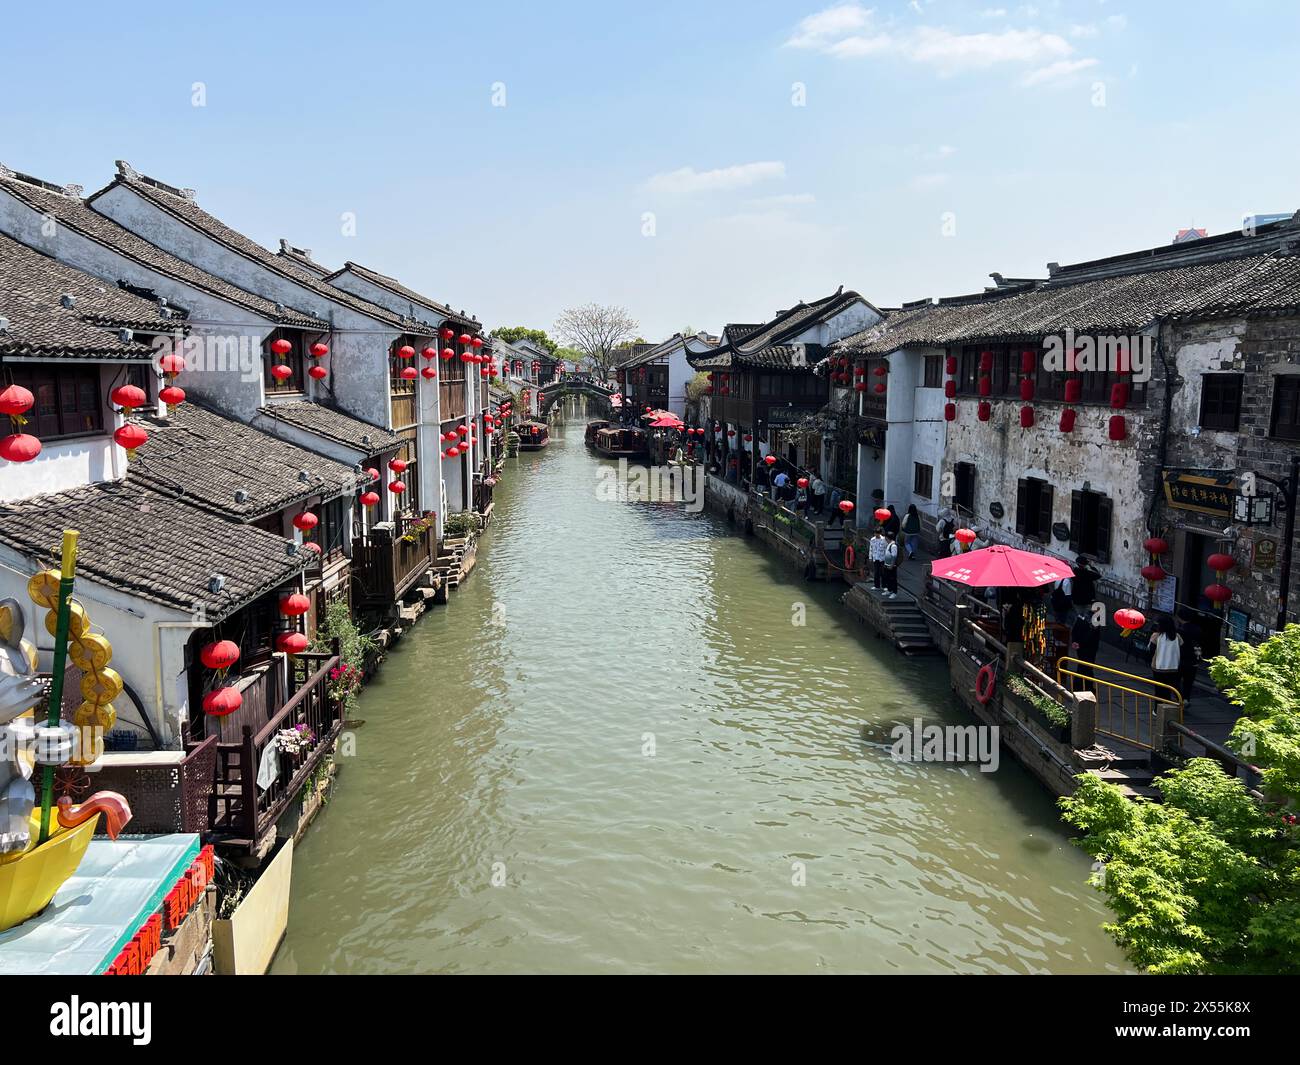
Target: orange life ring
[(848, 557), (985, 682)]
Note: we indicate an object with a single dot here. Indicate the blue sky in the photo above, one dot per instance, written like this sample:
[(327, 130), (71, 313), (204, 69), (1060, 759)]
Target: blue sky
[(982, 115)]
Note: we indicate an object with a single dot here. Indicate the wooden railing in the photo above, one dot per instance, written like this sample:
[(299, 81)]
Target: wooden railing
[(240, 811), (385, 570)]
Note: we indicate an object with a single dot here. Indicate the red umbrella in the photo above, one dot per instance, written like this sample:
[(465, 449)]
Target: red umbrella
[(667, 421), (1000, 566)]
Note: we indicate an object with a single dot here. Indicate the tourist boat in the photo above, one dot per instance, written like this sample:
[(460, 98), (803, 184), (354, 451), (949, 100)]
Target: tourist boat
[(618, 443), (533, 436), (593, 428)]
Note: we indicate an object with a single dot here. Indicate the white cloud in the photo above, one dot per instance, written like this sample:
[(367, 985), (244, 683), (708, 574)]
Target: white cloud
[(1087, 29), (688, 181), (849, 31), (1057, 72)]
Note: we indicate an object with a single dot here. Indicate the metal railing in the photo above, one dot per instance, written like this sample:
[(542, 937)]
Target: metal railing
[(1129, 708)]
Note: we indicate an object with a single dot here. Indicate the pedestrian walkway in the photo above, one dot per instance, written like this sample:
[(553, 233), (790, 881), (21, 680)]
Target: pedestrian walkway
[(1208, 712)]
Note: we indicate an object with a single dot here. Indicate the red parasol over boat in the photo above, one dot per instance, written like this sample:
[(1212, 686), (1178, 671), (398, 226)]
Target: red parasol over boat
[(1000, 566)]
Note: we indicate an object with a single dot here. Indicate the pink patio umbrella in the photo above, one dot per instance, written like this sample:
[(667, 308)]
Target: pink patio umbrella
[(668, 421), (1000, 566)]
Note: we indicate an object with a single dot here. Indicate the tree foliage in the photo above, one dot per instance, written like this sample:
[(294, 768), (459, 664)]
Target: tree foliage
[(1208, 881), (1265, 682), (597, 331), (512, 333)]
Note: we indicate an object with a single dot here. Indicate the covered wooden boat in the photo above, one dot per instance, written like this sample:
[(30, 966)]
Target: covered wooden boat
[(533, 436), (618, 443), (593, 428)]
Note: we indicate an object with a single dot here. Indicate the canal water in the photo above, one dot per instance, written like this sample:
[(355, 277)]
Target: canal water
[(615, 751)]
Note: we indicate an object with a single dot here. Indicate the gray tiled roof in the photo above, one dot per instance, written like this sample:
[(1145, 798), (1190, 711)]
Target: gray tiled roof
[(398, 289), (31, 289), (302, 257), (334, 425), (205, 458), (73, 213), (154, 547), (768, 346), (179, 206)]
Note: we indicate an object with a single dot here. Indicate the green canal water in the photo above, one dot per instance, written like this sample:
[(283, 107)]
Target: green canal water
[(614, 752)]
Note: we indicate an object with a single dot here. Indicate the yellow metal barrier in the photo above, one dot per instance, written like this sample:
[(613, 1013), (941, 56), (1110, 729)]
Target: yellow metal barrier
[(1126, 703)]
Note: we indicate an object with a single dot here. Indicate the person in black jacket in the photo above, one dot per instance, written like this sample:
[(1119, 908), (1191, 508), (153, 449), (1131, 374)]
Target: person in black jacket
[(1085, 640), (1083, 586), (1190, 630)]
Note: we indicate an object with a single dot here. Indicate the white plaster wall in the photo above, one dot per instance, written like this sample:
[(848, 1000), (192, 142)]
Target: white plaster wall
[(1211, 355)]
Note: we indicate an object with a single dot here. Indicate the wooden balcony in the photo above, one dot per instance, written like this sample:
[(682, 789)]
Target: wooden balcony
[(240, 812), (386, 567)]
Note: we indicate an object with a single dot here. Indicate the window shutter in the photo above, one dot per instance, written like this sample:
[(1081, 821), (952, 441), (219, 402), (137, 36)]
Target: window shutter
[(1076, 519), (1045, 512), (1022, 505), (1103, 528)]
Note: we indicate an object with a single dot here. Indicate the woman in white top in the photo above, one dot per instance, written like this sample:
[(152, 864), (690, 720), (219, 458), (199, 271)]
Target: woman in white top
[(1166, 652)]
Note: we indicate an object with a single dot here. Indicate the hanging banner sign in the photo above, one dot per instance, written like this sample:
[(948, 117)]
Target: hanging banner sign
[(1204, 495)]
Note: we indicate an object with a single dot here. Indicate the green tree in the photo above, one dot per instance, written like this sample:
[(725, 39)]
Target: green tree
[(511, 333)]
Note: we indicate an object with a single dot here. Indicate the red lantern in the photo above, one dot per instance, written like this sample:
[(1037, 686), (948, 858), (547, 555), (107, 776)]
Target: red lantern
[(130, 437), (770, 459), (950, 412), (219, 655), (396, 487), (1067, 420), (461, 430), (306, 521), (369, 499), (372, 473), (986, 362), (1129, 620), (409, 373), (1118, 427), (171, 364), (281, 372), (984, 411), (882, 515), (1221, 563), (465, 356), (880, 371), (1153, 574), (1026, 417), (430, 353), (1028, 362), (128, 397), (398, 465), (319, 350), (281, 347), (20, 447), (292, 643), (446, 332), (317, 373), (986, 386), (950, 365), (406, 352), (1073, 390), (294, 604), (1218, 594), (1026, 389), (464, 339), (965, 537), (1155, 546), (950, 389), (428, 373), (880, 388), (477, 342), (1119, 395), (846, 507), (16, 401), (453, 452), (448, 354), (802, 482), (221, 702)]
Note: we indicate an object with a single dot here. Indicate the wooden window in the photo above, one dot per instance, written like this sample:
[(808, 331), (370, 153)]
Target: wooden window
[(68, 400), (933, 372), (1034, 509), (1221, 401), (293, 360), (1090, 519), (1286, 407), (922, 479), (332, 532)]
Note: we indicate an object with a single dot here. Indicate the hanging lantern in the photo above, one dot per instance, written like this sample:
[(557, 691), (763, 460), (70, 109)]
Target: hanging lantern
[(731, 432), (128, 397), (1118, 427), (461, 430), (965, 537), (748, 438), (1155, 545), (453, 452), (398, 465), (281, 347), (306, 521), (1119, 395), (372, 473), (464, 339), (19, 447), (406, 352), (1073, 389), (222, 701), (281, 372), (219, 655), (950, 389), (130, 437), (1026, 417), (770, 459), (396, 487), (1153, 574), (171, 364), (430, 353), (1026, 389), (15, 401), (319, 350), (1129, 620), (369, 499), (294, 604), (316, 373), (446, 332), (846, 507), (1221, 563), (950, 412), (1067, 420), (1028, 361), (428, 373), (881, 370), (312, 546), (986, 385), (1218, 594), (409, 373), (466, 357), (986, 362), (881, 514), (861, 386), (950, 365), (292, 643), (984, 411), (802, 482), (448, 354)]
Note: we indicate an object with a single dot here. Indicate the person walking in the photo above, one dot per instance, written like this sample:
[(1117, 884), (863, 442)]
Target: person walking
[(1085, 641), (1166, 652), (876, 553), (1083, 586), (891, 566), (1190, 630), (778, 485), (818, 494), (801, 497), (943, 531), (836, 513), (912, 531)]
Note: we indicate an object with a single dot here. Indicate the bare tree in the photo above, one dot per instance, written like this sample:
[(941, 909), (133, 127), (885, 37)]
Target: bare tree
[(596, 331)]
